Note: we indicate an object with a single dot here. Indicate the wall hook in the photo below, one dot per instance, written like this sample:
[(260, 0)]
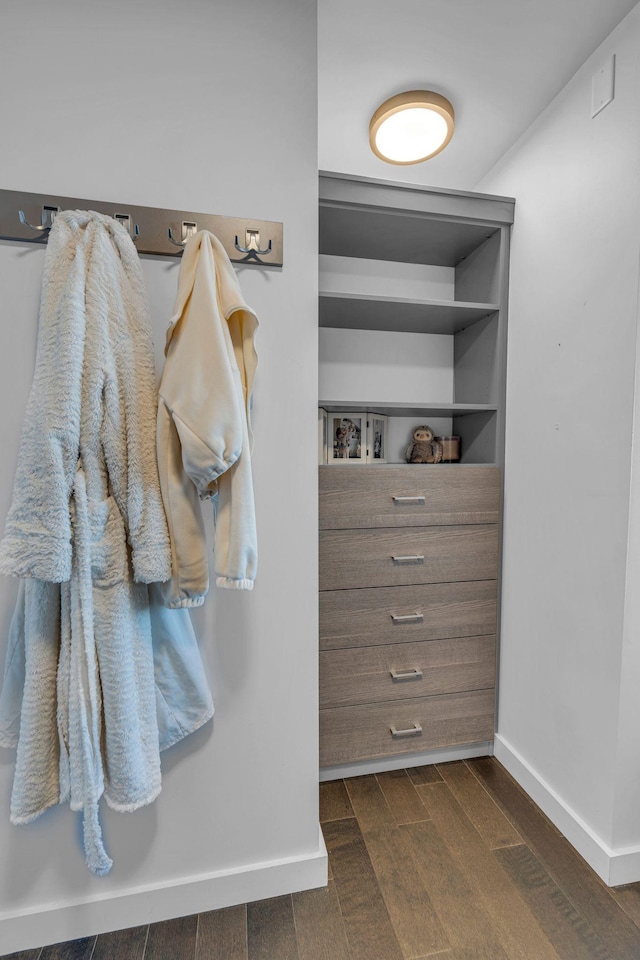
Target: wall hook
[(48, 216), (150, 237), (188, 230), (132, 228), (252, 245)]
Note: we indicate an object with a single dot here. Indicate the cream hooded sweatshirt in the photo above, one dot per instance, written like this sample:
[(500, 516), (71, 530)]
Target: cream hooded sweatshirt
[(204, 426)]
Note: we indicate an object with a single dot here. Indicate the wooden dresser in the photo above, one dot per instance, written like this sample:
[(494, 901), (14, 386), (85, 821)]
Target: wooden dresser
[(413, 284), (408, 581)]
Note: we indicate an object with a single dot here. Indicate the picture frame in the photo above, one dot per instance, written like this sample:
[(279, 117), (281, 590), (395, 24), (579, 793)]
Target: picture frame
[(323, 426), (347, 437), (376, 438)]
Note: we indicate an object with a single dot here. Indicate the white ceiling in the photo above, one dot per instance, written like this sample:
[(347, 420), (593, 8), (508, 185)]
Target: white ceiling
[(500, 62)]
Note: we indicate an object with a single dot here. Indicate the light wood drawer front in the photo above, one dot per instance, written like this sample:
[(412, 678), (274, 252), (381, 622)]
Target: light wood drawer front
[(365, 558), (401, 671), (355, 618), (364, 732), (363, 496)]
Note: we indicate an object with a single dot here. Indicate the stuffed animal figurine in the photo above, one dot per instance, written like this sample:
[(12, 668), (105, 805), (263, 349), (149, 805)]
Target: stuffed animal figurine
[(423, 448)]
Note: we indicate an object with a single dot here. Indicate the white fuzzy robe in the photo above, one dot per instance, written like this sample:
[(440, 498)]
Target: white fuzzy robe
[(87, 527), (92, 396)]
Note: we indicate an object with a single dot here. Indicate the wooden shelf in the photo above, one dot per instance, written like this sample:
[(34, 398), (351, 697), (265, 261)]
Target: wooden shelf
[(400, 409), (358, 311), (400, 235), (367, 349), (458, 465)]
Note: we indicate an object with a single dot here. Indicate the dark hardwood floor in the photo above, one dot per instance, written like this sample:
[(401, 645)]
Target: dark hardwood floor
[(452, 862)]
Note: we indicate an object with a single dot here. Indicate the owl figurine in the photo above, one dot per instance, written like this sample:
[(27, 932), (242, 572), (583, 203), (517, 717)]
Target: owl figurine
[(423, 448)]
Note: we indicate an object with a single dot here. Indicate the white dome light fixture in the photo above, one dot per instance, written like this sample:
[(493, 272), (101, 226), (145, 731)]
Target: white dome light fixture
[(411, 127)]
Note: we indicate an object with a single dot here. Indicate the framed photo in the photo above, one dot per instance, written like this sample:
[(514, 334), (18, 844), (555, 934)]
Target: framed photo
[(347, 437), (323, 426), (376, 438)]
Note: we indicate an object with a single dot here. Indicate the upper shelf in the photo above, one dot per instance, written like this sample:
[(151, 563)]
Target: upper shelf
[(363, 312), (398, 235), (410, 409), (383, 220)]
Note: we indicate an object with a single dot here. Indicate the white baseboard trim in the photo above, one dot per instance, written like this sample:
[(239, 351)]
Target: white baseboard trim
[(53, 923), (362, 767), (614, 866)]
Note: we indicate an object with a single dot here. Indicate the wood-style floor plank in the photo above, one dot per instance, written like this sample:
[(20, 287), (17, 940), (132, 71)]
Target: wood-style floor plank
[(486, 816), (370, 934), (520, 934), (271, 931), (628, 897), (443, 955), (23, 955), (416, 924), (401, 796), (334, 801), (222, 934), (466, 923), (172, 939), (467, 953), (319, 924), (567, 929), (464, 953), (70, 950), (429, 773), (575, 878), (121, 944), (368, 802)]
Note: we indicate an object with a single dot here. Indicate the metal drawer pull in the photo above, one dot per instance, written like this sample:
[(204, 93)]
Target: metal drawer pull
[(414, 674), (408, 499), (407, 618), (414, 731), (417, 558)]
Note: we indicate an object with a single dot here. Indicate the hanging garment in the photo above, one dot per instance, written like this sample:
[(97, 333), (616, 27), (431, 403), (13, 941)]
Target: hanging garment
[(182, 694), (92, 395), (204, 426), (87, 527)]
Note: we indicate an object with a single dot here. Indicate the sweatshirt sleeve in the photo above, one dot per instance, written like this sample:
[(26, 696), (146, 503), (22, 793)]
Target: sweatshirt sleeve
[(236, 549), (37, 539), (189, 582)]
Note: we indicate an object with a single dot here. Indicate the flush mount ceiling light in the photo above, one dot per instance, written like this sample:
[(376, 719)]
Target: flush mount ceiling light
[(411, 127)]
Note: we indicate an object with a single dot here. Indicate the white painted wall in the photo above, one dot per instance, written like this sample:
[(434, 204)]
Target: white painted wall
[(499, 62), (184, 105), (569, 711), (385, 278), (381, 365)]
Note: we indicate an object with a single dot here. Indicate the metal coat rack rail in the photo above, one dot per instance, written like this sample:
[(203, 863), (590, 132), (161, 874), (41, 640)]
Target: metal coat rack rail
[(27, 217)]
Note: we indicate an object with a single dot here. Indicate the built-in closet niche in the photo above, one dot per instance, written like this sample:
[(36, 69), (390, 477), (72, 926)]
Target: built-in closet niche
[(413, 309)]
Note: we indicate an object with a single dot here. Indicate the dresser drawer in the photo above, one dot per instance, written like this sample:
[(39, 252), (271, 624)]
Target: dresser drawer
[(425, 611), (385, 729), (395, 557), (404, 670), (407, 495)]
